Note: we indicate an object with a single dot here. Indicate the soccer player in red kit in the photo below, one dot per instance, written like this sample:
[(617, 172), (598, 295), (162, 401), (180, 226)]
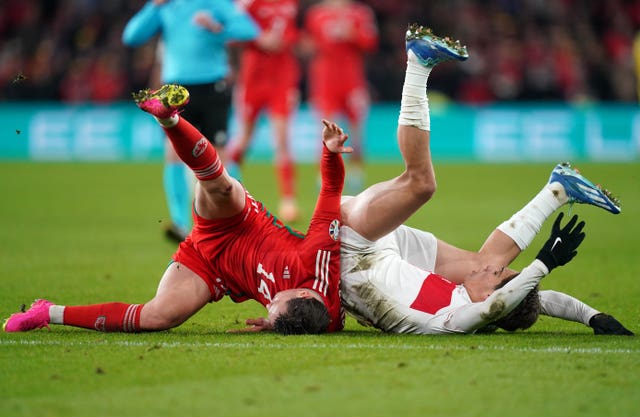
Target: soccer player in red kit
[(236, 248), (268, 79), (341, 33)]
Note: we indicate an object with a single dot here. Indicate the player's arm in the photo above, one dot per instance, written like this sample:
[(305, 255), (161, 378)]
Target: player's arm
[(331, 172), (238, 25), (563, 306), (558, 250), (366, 36), (331, 164), (471, 317), (259, 324), (143, 25)]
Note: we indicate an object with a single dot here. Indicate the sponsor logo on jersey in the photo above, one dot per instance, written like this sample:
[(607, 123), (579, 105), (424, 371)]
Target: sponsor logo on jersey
[(334, 229), (286, 274), (200, 147)]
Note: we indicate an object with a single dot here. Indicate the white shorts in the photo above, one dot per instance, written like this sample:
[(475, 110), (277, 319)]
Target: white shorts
[(382, 280)]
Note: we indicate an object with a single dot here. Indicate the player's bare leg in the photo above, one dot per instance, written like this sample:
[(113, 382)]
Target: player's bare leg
[(180, 294), (565, 186), (242, 141), (384, 206), (285, 170)]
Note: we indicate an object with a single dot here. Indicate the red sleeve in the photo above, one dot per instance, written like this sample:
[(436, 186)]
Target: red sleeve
[(291, 33), (332, 177), (331, 173), (367, 34)]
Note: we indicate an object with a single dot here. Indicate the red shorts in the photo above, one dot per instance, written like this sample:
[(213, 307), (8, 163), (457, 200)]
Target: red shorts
[(278, 100), (339, 93)]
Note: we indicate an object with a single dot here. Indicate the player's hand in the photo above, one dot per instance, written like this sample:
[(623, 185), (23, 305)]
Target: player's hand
[(561, 246), (334, 138), (602, 323), (204, 19), (270, 41), (259, 324)]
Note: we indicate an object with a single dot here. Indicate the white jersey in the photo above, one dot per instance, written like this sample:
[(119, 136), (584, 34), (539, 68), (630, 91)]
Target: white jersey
[(388, 284)]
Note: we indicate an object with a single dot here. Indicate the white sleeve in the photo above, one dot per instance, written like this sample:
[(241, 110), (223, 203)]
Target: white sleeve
[(471, 317), (566, 307)]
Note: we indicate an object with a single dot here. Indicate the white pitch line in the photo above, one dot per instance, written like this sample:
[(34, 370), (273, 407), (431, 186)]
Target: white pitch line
[(253, 345)]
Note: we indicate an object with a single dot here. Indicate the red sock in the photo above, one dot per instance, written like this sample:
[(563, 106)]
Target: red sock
[(195, 150), (286, 177), (108, 317)]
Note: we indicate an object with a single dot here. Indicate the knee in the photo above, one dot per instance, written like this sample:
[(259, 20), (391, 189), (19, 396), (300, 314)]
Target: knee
[(153, 321)]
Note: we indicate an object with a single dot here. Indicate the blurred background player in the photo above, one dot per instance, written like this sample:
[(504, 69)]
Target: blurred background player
[(268, 78), (194, 36), (340, 32)]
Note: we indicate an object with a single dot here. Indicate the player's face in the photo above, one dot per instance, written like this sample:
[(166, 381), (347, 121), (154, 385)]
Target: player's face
[(278, 305), (484, 281)]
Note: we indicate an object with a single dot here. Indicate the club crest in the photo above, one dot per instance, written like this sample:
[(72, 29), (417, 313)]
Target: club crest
[(334, 229)]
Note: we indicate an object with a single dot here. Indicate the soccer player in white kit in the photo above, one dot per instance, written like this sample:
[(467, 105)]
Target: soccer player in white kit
[(392, 276)]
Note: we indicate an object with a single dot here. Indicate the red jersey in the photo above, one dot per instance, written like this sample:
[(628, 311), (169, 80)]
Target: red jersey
[(342, 33), (253, 255), (270, 78)]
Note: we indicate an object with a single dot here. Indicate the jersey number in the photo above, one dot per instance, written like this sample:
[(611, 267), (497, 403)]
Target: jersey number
[(263, 288)]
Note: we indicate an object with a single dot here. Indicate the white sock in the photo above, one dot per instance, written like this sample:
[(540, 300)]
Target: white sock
[(414, 106), (170, 122), (56, 314), (523, 226)]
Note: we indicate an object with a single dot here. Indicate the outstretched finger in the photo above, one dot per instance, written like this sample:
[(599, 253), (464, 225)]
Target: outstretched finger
[(571, 223), (557, 222), (330, 125), (254, 325), (346, 149)]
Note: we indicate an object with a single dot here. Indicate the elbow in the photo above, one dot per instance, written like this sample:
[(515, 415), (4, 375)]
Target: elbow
[(129, 40)]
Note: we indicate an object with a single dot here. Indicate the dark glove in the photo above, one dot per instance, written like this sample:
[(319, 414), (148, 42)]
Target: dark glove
[(605, 324), (562, 244)]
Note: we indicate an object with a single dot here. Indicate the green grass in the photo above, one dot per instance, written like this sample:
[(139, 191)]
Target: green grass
[(83, 233)]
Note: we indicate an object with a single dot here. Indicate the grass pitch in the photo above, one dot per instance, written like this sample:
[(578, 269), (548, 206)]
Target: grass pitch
[(82, 233)]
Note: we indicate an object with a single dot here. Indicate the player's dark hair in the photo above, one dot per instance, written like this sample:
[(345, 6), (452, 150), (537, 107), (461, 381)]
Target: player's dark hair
[(303, 316)]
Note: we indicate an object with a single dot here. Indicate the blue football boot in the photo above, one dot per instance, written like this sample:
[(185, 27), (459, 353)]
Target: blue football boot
[(431, 49), (581, 190)]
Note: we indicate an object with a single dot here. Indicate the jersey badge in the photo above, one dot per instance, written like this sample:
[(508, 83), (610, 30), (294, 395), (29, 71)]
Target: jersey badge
[(334, 229)]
